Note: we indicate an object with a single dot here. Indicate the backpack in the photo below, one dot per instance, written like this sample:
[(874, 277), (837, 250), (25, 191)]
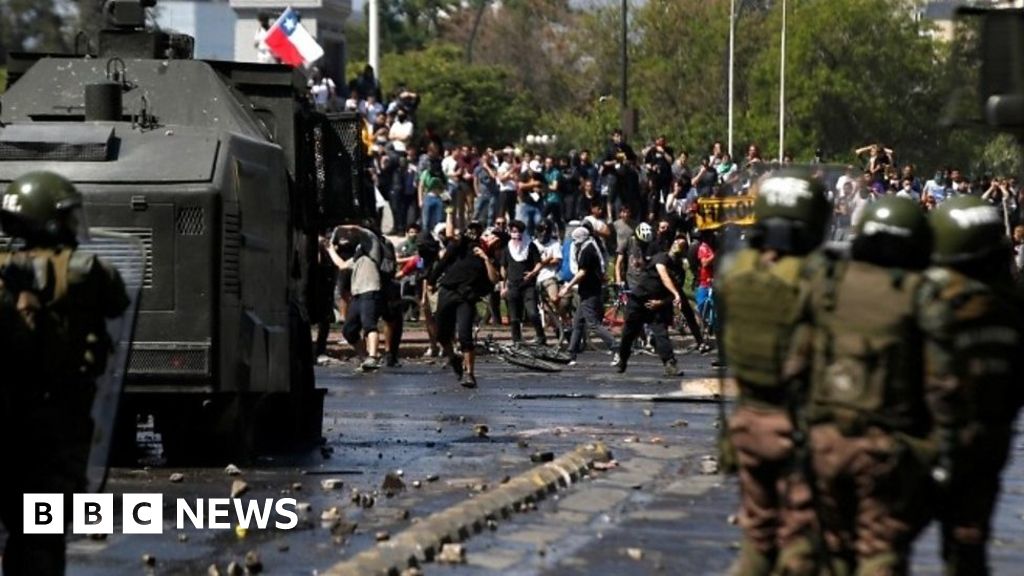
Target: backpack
[(388, 264)]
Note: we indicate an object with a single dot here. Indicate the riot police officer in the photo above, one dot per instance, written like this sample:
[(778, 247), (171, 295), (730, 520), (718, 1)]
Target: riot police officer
[(974, 357), (54, 303), (760, 289), (859, 346)]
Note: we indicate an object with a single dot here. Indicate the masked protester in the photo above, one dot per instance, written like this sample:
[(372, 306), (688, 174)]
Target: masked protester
[(974, 356), (588, 269), (55, 301), (519, 269), (464, 275)]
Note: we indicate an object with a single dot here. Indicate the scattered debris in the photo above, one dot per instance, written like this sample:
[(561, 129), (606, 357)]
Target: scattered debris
[(538, 457), (635, 553), (392, 483), (412, 572), (606, 465), (296, 486), (708, 465), (416, 483), (481, 430), (452, 554), (149, 560), (657, 440), (232, 470), (238, 487), (176, 477), (283, 548), (331, 515), (648, 412), (492, 524), (304, 507), (234, 569), (212, 570), (253, 564), (733, 519), (382, 536), (505, 479), (331, 484), (433, 478), (522, 444), (182, 537), (679, 424), (631, 439)]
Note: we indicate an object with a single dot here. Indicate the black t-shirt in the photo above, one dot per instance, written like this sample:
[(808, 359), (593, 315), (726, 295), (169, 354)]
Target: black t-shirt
[(650, 286), (661, 166), (516, 270), (590, 262), (428, 248), (461, 271)]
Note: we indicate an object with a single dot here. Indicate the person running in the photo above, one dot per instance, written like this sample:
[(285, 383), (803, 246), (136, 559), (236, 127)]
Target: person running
[(588, 268)]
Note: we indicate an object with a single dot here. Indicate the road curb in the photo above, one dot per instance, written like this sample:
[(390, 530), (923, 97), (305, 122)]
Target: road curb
[(423, 541)]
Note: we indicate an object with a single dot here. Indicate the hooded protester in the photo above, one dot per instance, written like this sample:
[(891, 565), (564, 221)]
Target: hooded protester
[(588, 269)]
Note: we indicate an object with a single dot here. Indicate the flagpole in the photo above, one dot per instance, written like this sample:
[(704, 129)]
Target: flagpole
[(374, 33), (782, 87)]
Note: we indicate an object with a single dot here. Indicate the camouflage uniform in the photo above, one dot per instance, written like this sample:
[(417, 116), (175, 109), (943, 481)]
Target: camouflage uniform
[(54, 302), (974, 322), (859, 347), (759, 290)]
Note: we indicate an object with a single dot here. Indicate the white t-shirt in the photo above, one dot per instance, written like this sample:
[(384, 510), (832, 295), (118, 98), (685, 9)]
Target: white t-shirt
[(321, 91), (400, 133), (553, 249)]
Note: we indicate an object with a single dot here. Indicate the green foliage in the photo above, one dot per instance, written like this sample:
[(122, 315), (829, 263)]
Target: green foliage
[(468, 103), (3, 80), (1001, 157)]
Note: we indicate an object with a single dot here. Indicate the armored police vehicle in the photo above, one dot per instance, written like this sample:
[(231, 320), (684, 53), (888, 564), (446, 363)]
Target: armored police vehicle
[(226, 175)]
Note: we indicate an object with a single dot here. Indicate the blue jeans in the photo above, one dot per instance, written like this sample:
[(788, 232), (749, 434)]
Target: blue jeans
[(485, 208), (529, 215), (433, 211)]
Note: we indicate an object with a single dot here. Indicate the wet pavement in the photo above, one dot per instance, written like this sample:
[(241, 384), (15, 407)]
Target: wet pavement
[(660, 510)]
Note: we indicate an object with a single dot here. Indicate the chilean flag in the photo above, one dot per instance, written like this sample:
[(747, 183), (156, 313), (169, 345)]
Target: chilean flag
[(290, 41)]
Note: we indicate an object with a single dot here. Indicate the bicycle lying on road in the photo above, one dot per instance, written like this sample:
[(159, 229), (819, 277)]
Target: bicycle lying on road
[(532, 357)]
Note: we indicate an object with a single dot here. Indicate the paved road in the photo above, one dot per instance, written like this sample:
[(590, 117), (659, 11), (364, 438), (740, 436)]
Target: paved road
[(657, 512)]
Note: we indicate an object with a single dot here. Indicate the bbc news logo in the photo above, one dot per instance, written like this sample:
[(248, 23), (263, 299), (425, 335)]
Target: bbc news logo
[(144, 513)]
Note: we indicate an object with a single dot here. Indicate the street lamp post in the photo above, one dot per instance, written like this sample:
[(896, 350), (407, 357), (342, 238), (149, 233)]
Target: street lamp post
[(732, 54), (782, 87)]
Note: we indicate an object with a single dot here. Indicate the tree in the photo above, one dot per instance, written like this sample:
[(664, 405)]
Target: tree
[(468, 102), (35, 25)]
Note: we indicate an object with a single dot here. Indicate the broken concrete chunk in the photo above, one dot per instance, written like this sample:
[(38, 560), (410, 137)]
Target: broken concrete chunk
[(392, 483), (708, 465), (331, 484), (382, 536), (648, 412), (452, 554), (481, 430), (176, 477), (232, 470), (149, 560), (538, 457), (238, 487), (635, 553)]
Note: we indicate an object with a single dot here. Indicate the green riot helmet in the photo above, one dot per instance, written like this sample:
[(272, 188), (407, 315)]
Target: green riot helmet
[(967, 229), (791, 212), (43, 208), (893, 232)]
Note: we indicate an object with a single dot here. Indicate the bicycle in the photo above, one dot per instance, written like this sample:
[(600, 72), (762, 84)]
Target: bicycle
[(709, 317), (559, 321), (522, 356)]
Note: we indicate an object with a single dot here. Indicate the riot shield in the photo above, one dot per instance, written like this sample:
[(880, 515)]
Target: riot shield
[(128, 255)]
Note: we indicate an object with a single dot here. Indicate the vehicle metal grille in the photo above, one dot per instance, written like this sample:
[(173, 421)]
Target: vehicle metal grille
[(122, 255), (169, 359), (52, 152), (190, 221), (231, 254)]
